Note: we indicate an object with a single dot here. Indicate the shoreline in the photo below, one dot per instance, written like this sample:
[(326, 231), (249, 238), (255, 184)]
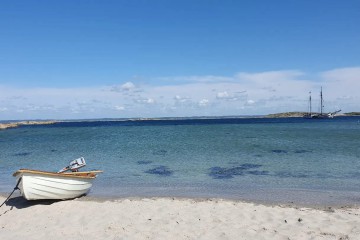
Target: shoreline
[(4, 124), (321, 207), (172, 218), (22, 123), (268, 203)]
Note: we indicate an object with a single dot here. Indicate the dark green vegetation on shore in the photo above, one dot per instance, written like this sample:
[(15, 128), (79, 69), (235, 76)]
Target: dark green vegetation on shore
[(352, 114)]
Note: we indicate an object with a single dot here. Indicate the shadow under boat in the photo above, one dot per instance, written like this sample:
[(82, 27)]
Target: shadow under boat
[(19, 202)]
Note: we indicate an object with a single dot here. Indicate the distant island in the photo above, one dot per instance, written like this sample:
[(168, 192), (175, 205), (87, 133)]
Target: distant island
[(17, 124), (286, 115), (352, 114), (274, 115), (301, 114)]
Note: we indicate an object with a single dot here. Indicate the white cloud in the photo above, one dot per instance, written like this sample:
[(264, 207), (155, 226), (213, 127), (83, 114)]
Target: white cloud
[(120, 108), (272, 76), (204, 102), (127, 86), (250, 102), (345, 81), (240, 94), (222, 95), (145, 100), (236, 96), (343, 86), (197, 79), (182, 102), (180, 99), (209, 79)]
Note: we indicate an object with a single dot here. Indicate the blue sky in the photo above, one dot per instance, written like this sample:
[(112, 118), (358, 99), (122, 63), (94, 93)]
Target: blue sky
[(138, 58)]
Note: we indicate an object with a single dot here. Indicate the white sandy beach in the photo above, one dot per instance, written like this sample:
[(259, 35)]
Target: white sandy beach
[(166, 218)]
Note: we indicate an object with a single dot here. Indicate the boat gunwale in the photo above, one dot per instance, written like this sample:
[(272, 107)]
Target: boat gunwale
[(82, 175)]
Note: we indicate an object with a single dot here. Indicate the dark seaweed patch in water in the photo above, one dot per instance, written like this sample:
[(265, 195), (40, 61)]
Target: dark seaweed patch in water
[(246, 166), (20, 154), (160, 152), (279, 151), (143, 162), (291, 175), (161, 170), (226, 173), (302, 151), (221, 173), (53, 150), (258, 173), (249, 137), (323, 175), (353, 175)]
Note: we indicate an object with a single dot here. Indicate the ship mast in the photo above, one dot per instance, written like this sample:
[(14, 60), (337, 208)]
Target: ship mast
[(310, 103), (321, 102)]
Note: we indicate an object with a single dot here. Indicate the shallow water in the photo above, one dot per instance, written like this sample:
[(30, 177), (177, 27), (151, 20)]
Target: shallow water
[(297, 160)]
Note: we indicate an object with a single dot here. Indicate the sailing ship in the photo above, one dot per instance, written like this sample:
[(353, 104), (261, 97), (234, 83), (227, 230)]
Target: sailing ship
[(321, 114)]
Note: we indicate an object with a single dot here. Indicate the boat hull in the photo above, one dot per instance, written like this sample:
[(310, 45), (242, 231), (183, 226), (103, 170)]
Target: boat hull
[(39, 185)]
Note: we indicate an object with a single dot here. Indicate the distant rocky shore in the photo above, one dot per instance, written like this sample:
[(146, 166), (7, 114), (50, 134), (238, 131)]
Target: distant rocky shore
[(286, 115), (301, 114), (17, 124), (275, 115)]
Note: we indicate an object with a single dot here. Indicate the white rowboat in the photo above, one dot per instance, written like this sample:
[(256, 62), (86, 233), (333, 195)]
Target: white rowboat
[(36, 185)]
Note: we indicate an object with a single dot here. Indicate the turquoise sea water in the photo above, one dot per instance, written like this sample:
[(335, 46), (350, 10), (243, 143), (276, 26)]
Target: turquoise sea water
[(304, 161)]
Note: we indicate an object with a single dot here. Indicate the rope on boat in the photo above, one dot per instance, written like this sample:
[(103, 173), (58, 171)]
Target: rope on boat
[(15, 188)]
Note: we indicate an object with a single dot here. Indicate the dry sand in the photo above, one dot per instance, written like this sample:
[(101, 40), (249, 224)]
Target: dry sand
[(167, 218)]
